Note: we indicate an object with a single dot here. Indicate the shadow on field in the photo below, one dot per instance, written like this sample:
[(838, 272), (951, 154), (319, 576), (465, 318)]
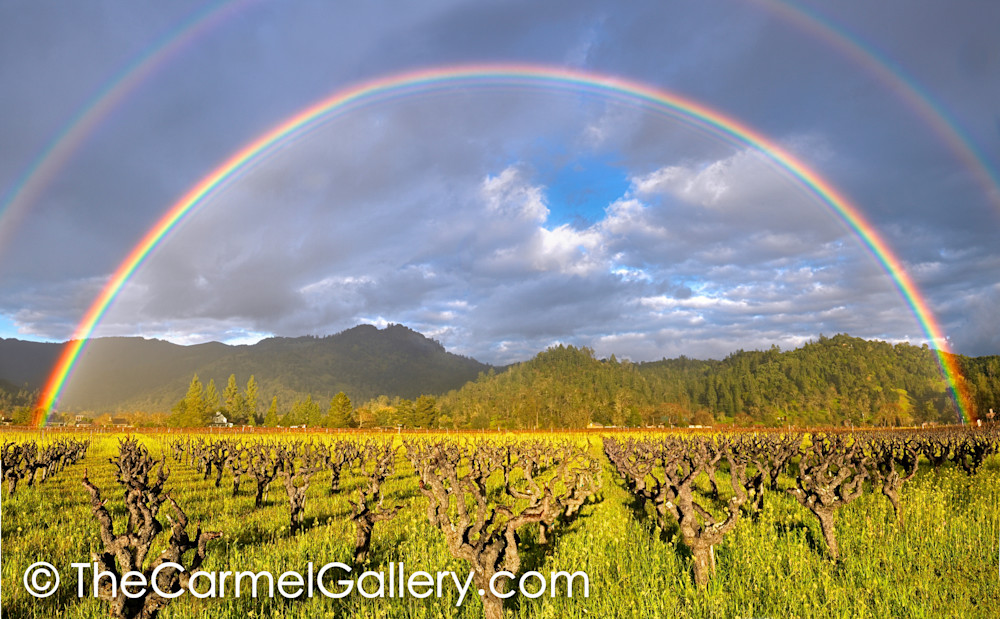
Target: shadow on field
[(405, 495), (385, 550), (322, 516), (669, 534), (812, 535), (533, 553), (635, 504)]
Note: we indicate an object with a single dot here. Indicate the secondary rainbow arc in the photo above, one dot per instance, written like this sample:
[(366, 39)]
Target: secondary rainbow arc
[(895, 79), (504, 75), (71, 137)]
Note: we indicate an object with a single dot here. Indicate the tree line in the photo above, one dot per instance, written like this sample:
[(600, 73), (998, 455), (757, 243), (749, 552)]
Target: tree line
[(240, 407), (839, 380)]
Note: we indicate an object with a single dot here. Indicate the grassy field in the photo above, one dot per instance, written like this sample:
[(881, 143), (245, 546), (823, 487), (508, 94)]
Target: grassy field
[(942, 563)]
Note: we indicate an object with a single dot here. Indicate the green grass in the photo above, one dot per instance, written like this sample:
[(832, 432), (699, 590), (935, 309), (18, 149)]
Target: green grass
[(942, 563)]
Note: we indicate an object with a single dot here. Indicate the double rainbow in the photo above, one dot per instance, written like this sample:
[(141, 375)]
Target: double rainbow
[(537, 77), (894, 78), (45, 168)]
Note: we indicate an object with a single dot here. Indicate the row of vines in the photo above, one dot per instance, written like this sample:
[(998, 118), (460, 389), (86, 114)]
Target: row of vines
[(489, 499)]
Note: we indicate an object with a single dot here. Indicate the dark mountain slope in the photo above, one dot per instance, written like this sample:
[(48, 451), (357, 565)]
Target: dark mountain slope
[(151, 375)]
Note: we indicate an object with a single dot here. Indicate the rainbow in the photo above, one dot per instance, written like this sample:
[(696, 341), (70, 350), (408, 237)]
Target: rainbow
[(15, 202), (896, 80), (538, 77)]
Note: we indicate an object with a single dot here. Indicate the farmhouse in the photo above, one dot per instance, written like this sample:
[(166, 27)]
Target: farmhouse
[(219, 421)]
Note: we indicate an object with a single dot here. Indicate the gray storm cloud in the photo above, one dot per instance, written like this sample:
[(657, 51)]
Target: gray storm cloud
[(434, 211)]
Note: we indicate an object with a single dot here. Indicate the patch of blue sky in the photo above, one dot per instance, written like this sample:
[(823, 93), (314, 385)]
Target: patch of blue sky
[(9, 330), (245, 338), (580, 189), (579, 185)]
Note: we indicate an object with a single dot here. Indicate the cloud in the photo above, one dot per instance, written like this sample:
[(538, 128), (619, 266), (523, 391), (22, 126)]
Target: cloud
[(494, 279), (436, 211), (973, 333), (508, 197), (702, 187)]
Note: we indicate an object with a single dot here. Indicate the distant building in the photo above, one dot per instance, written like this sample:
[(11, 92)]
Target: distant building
[(219, 421), (6, 421), (120, 422)]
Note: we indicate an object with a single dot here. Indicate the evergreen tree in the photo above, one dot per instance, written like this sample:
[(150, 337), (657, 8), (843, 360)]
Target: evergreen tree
[(305, 412), (195, 410), (250, 399), (402, 413), (211, 397), (231, 392), (178, 415), (234, 401), (271, 416), (341, 412), (425, 412)]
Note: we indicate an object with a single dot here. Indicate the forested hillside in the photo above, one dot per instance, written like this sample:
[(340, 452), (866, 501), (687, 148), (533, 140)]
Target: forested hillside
[(13, 396), (831, 381)]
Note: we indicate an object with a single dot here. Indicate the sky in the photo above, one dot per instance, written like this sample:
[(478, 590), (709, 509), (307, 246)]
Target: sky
[(502, 220)]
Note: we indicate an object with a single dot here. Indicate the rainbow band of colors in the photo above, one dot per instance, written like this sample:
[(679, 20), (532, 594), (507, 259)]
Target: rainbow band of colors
[(503, 76), (895, 79), (44, 169)]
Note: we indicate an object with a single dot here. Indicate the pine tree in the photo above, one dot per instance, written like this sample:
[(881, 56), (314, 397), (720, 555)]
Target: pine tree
[(313, 413), (271, 416), (403, 413), (425, 412), (305, 412), (211, 397), (250, 399), (195, 408), (341, 412), (178, 415), (234, 402)]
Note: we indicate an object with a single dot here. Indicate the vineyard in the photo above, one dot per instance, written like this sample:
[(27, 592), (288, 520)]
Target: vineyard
[(861, 524)]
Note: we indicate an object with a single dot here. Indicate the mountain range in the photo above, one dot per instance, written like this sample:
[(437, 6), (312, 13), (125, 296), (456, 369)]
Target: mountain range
[(133, 373), (829, 381)]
